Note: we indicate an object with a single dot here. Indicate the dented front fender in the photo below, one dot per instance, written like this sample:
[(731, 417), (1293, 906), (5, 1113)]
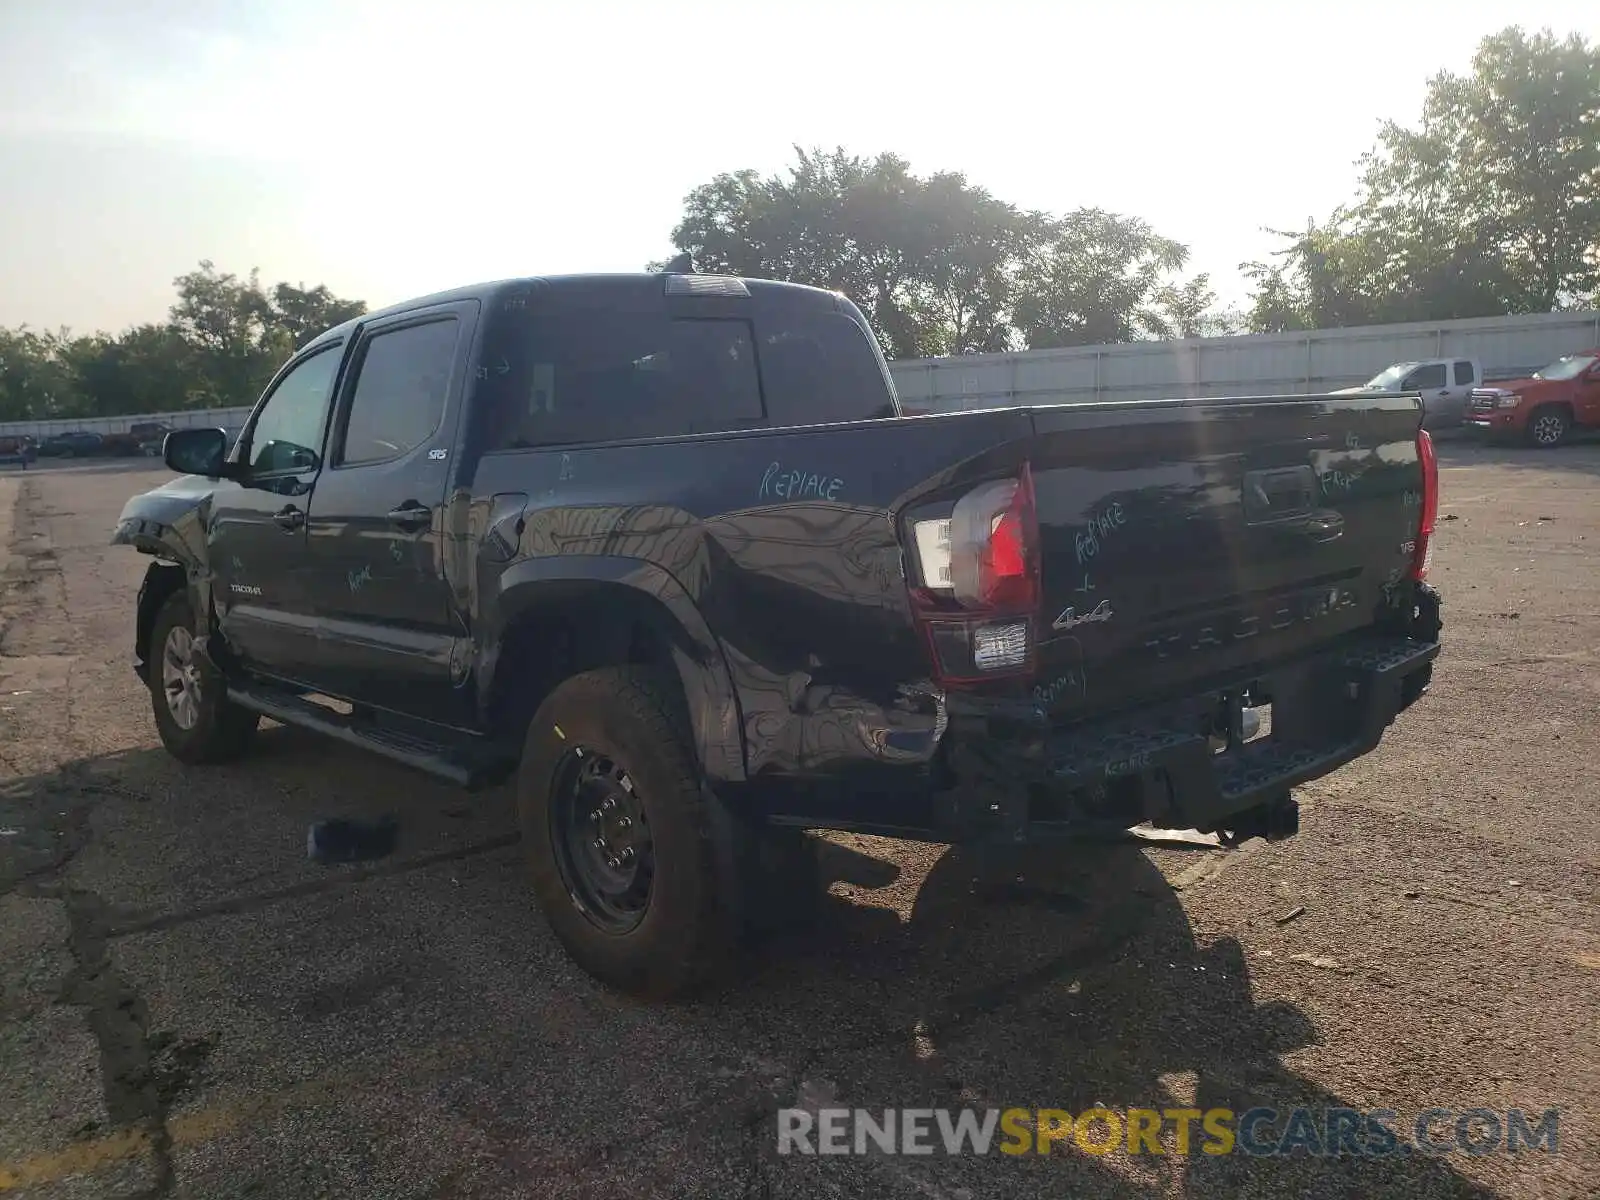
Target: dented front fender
[(169, 522)]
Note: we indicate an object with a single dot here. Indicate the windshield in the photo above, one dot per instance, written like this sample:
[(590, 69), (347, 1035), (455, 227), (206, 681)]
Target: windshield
[(1391, 377), (1569, 367)]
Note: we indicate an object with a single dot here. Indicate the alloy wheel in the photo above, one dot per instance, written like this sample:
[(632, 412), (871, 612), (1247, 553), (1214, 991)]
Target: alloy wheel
[(180, 678)]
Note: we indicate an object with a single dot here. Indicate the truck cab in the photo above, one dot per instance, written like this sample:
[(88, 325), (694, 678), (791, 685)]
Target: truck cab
[(1445, 384)]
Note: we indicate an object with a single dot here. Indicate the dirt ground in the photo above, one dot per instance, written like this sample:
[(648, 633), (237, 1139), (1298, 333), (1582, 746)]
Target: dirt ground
[(190, 1007)]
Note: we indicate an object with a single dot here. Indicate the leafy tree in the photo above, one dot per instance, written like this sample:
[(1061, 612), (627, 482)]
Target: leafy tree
[(34, 383), (1489, 205), (939, 265), (303, 313), (1096, 277), (223, 339)]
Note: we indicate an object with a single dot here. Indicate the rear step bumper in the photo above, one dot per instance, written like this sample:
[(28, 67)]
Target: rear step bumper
[(1016, 784)]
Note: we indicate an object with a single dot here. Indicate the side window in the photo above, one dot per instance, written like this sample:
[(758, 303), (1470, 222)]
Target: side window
[(1464, 372), (401, 379), (606, 375), (820, 367), (1430, 376), (287, 435)]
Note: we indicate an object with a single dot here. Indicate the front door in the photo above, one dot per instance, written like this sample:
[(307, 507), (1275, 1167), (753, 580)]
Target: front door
[(257, 530), (375, 548), (1433, 381), (1586, 403)]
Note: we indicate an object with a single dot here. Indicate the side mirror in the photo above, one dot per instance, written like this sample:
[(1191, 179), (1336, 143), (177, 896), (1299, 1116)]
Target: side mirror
[(196, 452)]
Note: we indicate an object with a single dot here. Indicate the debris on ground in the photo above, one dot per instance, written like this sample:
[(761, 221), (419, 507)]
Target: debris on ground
[(1316, 960), (1294, 912), (344, 839)]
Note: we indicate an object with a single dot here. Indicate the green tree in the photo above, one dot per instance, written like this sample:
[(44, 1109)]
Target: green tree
[(1095, 277), (302, 313), (222, 341), (1489, 205), (34, 382), (938, 264), (227, 323)]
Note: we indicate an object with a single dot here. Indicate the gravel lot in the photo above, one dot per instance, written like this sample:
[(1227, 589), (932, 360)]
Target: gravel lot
[(189, 1007)]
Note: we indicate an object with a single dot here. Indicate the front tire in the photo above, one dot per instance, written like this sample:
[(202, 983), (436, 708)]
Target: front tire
[(622, 838), (1548, 426), (189, 696)]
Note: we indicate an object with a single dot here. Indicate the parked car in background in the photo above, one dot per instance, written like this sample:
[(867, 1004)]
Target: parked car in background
[(18, 449), (1546, 406), (122, 445), (1446, 386), (152, 435), (75, 444)]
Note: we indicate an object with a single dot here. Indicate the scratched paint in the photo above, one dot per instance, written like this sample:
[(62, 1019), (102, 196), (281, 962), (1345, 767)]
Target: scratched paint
[(359, 579)]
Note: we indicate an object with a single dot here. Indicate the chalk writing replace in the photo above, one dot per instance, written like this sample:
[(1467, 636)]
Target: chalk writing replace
[(1101, 526), (1072, 683), (792, 484), (1132, 765), (1336, 482)]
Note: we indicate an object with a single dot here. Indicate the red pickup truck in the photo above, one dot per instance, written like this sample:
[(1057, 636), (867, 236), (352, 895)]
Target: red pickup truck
[(1545, 407)]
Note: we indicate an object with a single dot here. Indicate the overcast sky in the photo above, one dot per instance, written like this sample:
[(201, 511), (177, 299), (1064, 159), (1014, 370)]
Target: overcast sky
[(398, 147)]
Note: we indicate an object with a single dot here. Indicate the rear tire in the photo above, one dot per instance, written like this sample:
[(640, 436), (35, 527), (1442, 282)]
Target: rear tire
[(623, 840), (1548, 426), (189, 696)]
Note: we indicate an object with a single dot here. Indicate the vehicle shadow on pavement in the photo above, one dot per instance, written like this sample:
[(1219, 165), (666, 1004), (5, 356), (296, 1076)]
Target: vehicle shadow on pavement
[(422, 993), (1580, 456), (1070, 978)]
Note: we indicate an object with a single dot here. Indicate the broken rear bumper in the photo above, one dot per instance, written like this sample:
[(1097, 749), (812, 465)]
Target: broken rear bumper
[(1012, 778)]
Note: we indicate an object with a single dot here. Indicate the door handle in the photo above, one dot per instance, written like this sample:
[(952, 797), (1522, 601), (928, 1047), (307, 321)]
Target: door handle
[(411, 515), (289, 518)]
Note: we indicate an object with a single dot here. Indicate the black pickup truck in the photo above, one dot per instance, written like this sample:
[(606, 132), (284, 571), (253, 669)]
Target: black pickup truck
[(666, 549)]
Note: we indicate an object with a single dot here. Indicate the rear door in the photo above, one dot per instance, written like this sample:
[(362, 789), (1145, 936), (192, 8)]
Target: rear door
[(386, 624), (1189, 542)]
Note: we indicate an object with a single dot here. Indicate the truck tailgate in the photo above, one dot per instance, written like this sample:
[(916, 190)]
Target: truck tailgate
[(1190, 542)]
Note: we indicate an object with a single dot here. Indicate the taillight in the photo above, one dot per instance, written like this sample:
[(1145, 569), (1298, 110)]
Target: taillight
[(1422, 558), (979, 590)]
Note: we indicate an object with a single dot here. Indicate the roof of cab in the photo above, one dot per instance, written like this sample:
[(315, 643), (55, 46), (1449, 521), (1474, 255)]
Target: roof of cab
[(593, 284)]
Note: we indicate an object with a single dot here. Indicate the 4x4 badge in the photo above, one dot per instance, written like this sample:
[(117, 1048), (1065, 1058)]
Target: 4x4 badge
[(1070, 618)]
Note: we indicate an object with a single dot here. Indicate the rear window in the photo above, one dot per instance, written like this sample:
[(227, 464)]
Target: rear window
[(586, 376), (1463, 372), (608, 375)]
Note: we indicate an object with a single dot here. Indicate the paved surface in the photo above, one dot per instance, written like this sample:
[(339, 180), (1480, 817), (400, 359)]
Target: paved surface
[(191, 1008)]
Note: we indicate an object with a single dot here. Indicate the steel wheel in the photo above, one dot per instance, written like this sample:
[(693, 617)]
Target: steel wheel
[(1548, 428), (180, 678), (602, 841)]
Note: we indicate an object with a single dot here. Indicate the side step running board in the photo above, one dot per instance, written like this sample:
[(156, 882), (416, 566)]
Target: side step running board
[(455, 765)]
